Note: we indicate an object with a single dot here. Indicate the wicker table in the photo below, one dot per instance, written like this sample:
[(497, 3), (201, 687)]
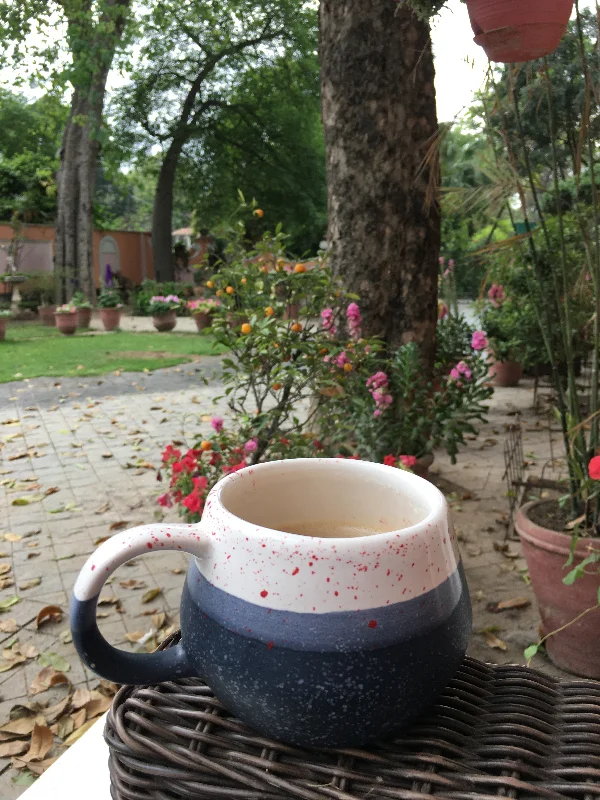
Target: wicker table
[(497, 731)]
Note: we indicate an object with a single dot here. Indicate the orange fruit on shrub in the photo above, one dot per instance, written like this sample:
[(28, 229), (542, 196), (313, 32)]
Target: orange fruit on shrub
[(230, 290), (246, 328), (210, 284), (276, 386), (296, 327), (299, 268), (269, 311), (206, 446), (347, 367), (244, 281)]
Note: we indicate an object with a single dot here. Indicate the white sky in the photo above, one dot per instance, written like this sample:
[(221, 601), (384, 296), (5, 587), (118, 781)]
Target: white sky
[(460, 64)]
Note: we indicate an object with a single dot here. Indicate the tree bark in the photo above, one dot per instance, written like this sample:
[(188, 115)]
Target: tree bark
[(380, 120), (76, 177), (162, 215)]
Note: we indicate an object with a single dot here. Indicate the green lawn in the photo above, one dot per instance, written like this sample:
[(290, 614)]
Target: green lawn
[(31, 351)]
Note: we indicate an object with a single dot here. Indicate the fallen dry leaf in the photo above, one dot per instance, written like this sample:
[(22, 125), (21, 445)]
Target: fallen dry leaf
[(42, 740), (64, 727), (17, 456), (158, 620), (108, 600), (12, 537), (493, 641), (78, 733), (33, 554), (102, 509), (29, 650), (98, 706), (30, 584), (80, 697), (45, 679), (177, 571), (4, 568), (36, 767), (132, 583), (505, 605), (9, 602), (101, 539), (79, 718), (134, 636), (48, 614), (52, 713), (22, 726), (6, 582), (9, 626), (149, 596), (51, 490), (15, 748), (117, 526)]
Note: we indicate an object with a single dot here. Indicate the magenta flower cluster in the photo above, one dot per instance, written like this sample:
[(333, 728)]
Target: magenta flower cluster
[(327, 321), (378, 385), (479, 340), (496, 294), (461, 372), (354, 320)]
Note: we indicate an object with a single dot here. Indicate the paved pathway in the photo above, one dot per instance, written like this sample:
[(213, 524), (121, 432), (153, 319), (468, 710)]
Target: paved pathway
[(97, 442)]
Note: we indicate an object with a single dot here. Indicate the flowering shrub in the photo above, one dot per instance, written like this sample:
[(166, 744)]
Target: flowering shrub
[(159, 304), (203, 306), (312, 385), (79, 301), (109, 298), (66, 308)]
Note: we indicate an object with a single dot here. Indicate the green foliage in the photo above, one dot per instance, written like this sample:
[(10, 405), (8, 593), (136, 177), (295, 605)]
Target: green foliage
[(30, 134), (425, 9), (452, 341), (109, 298), (79, 301), (38, 290)]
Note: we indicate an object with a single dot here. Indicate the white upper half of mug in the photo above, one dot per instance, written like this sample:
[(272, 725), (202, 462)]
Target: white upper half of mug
[(247, 553)]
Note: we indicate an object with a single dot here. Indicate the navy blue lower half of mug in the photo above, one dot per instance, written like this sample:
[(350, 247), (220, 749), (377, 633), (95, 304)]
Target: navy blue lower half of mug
[(326, 698)]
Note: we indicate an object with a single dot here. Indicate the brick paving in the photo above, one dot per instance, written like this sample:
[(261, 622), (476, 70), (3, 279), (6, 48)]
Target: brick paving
[(94, 440)]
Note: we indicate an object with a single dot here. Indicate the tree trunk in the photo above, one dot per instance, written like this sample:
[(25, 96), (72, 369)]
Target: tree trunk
[(76, 177), (379, 115), (162, 215)]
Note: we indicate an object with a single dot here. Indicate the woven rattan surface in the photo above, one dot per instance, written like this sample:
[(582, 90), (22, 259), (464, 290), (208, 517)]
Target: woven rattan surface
[(497, 731)]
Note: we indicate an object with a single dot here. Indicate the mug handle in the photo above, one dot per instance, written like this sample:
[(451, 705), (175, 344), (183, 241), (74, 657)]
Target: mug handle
[(96, 653)]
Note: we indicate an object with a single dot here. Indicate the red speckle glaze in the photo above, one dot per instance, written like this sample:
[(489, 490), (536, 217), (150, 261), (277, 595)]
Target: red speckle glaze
[(93, 567), (372, 624), (269, 645), (149, 545), (296, 570), (264, 593)]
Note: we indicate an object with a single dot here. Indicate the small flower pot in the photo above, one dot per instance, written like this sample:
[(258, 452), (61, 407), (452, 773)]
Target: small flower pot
[(577, 647), (3, 321), (203, 321), (84, 316), (506, 373), (111, 318), (518, 30), (66, 323), (46, 315), (165, 322)]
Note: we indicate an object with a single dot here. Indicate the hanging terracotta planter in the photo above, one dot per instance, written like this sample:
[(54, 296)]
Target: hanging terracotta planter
[(519, 30)]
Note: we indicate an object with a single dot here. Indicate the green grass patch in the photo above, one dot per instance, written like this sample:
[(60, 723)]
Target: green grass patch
[(33, 351)]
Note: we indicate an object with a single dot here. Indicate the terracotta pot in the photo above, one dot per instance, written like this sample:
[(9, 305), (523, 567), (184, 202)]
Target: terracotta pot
[(66, 323), (519, 30), (84, 316), (5, 288), (203, 321), (165, 322), (46, 314), (421, 468), (506, 373), (577, 647), (111, 318), (3, 321)]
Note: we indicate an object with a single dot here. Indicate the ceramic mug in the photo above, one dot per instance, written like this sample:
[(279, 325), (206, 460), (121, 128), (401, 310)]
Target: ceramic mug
[(312, 640)]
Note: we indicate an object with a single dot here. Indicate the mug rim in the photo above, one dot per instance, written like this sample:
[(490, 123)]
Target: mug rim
[(434, 499)]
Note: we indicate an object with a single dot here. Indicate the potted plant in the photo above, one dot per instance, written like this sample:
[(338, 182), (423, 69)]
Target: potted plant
[(84, 310), (202, 311), (110, 306), (66, 318), (4, 317), (47, 306), (164, 311), (501, 319), (560, 535)]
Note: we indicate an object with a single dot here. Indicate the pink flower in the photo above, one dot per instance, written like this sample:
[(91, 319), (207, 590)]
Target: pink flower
[(594, 468), (327, 320), (496, 294), (165, 500), (390, 461), (377, 380), (377, 412), (217, 424), (354, 320), (479, 340), (251, 446), (408, 461), (451, 264), (447, 272), (342, 359), (588, 277), (442, 261), (442, 310), (461, 370)]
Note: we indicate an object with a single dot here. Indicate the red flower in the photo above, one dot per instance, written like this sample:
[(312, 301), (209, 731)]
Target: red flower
[(390, 461), (200, 483), (408, 461), (594, 468), (165, 500), (170, 454), (317, 444), (193, 502), (234, 467), (215, 458), (284, 442)]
